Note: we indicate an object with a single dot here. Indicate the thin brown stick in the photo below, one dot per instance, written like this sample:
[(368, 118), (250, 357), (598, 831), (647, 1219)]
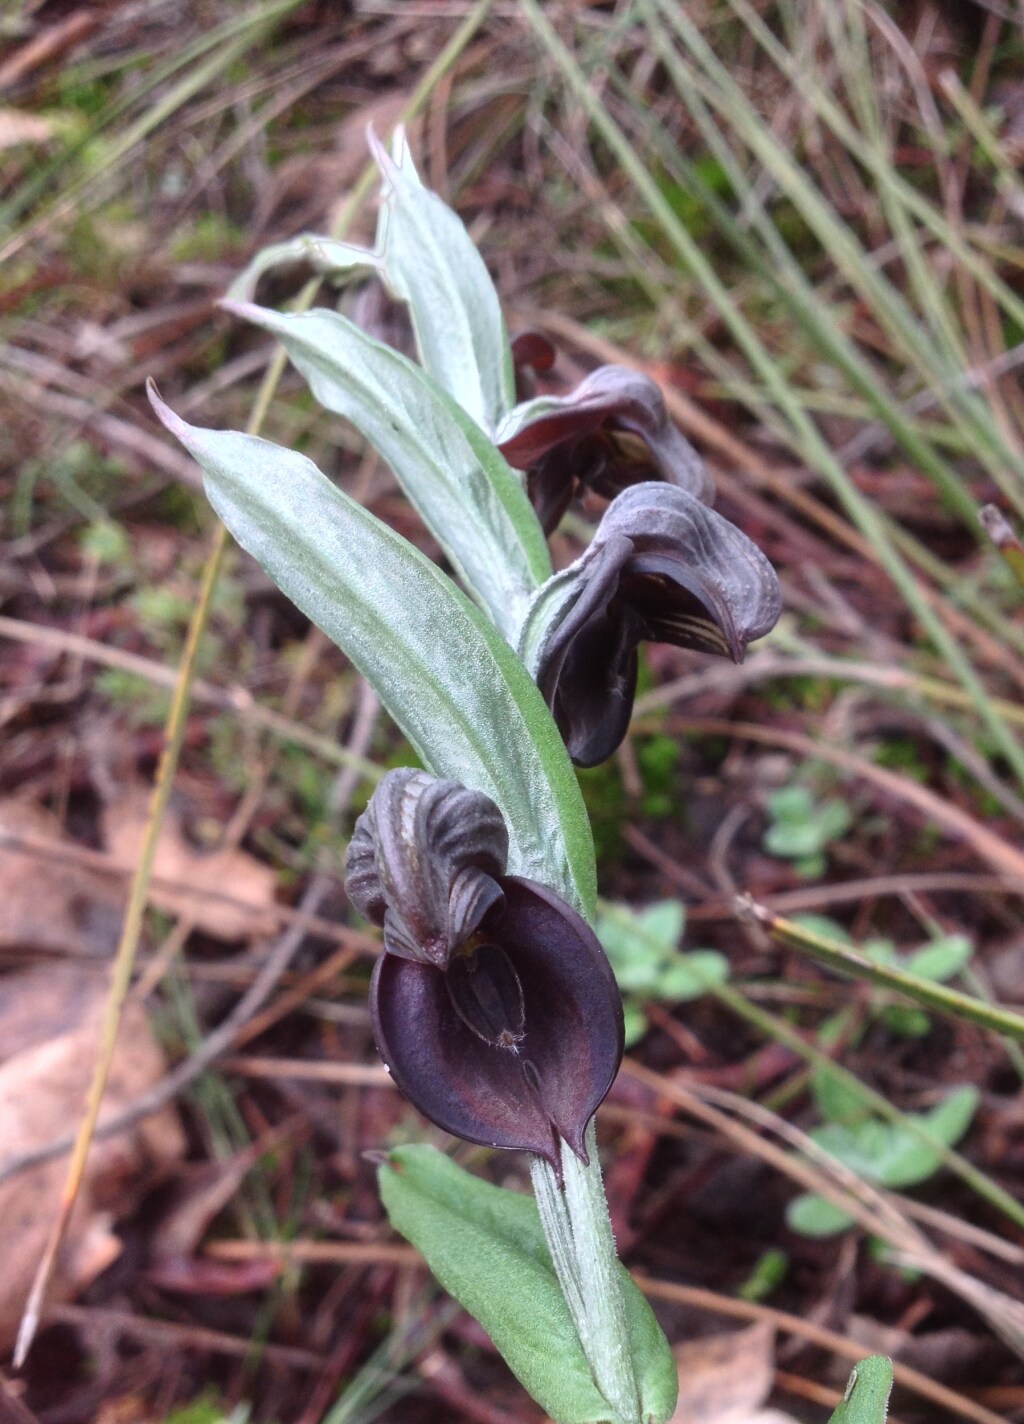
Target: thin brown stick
[(317, 1253), (237, 700), (904, 1375), (363, 1075)]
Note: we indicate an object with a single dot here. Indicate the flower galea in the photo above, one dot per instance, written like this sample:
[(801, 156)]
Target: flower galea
[(493, 1004), (663, 567), (611, 432)]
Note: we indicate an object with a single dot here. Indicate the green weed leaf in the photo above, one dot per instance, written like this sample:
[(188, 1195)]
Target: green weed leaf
[(867, 1393), (941, 959), (456, 689), (886, 1154), (811, 1215), (486, 1247), (642, 946)]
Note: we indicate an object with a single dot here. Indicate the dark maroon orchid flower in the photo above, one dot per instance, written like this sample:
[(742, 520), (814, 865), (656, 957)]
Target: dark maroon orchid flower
[(662, 567), (493, 1005), (532, 353), (612, 432), (423, 862)]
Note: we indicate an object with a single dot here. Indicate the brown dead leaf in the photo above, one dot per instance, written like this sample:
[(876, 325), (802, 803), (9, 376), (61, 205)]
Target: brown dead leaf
[(227, 893), (726, 1378), (42, 1094), (57, 908)]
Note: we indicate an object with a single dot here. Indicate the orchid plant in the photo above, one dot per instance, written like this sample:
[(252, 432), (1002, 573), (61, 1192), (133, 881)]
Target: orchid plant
[(493, 1004)]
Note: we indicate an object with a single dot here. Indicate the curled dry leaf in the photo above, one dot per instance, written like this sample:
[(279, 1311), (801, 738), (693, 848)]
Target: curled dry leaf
[(53, 1016), (227, 893), (726, 1378), (64, 909)]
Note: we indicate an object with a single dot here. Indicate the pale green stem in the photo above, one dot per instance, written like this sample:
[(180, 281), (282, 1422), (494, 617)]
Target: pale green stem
[(579, 1237)]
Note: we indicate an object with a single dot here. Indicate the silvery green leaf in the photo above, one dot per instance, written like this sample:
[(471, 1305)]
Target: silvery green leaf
[(324, 254), (462, 488), (545, 612), (431, 262), (456, 689), (487, 1248)]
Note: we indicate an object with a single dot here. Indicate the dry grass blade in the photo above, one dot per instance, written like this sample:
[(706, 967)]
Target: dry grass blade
[(818, 1172), (124, 959), (837, 956)]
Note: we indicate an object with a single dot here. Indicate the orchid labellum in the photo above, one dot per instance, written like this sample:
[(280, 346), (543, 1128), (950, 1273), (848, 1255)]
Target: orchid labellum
[(493, 1004)]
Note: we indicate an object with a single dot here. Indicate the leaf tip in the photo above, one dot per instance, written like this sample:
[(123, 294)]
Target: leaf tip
[(379, 153), (163, 412), (245, 311)]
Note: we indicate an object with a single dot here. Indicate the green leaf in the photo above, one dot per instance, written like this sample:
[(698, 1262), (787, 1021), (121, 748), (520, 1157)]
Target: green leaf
[(635, 1021), (426, 258), (811, 1215), (909, 1161), (688, 976), (466, 494), (793, 839), (801, 827), (791, 803), (456, 689), (431, 262), (905, 1019), (867, 1393), (887, 1154), (941, 959), (663, 922), (486, 1247), (639, 943), (837, 1099)]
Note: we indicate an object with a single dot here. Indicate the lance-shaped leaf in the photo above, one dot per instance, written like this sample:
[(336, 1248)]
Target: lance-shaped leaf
[(517, 1042), (456, 689), (464, 491), (431, 262), (663, 567), (426, 258), (472, 1235), (423, 863), (611, 432)]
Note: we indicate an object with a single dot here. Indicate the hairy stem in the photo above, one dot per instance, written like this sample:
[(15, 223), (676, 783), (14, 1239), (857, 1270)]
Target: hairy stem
[(579, 1236)]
